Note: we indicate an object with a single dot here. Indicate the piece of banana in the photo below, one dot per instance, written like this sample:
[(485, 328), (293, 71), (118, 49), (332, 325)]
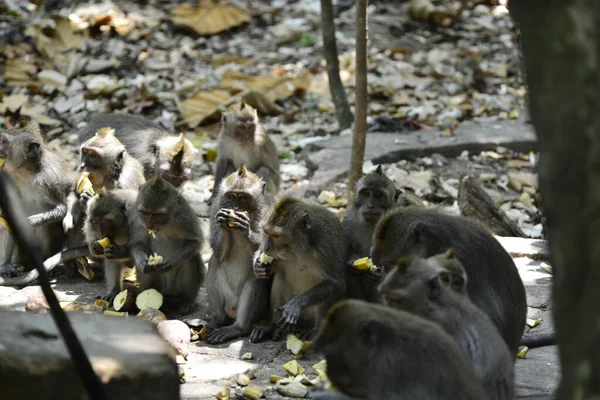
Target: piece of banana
[(155, 259), (84, 184), (104, 242), (364, 264)]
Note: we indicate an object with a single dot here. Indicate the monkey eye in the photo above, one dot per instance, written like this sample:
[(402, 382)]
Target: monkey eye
[(378, 195), (244, 197), (231, 196)]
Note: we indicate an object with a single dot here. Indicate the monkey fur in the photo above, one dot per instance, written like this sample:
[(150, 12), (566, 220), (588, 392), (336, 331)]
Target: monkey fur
[(148, 143), (435, 289), (234, 292), (43, 180), (494, 282), (164, 223), (243, 140), (374, 352), (107, 217), (375, 195), (308, 246)]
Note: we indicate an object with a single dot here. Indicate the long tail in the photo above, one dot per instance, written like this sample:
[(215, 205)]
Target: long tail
[(31, 247), (49, 265), (546, 339)]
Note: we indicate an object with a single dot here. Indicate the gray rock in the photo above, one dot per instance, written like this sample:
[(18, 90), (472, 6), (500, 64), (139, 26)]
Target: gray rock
[(128, 355)]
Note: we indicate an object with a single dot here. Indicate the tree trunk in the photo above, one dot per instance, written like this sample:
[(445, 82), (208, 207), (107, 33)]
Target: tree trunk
[(561, 47), (338, 93), (360, 107)]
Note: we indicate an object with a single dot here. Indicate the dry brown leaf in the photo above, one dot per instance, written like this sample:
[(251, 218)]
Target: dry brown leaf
[(36, 112), (222, 59), (209, 19), (204, 105), (19, 73), (57, 45), (272, 86)]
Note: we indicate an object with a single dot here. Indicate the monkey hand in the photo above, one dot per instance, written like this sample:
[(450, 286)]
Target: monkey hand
[(239, 220), (223, 216), (262, 270), (290, 315), (84, 197), (97, 249), (114, 251), (164, 266)]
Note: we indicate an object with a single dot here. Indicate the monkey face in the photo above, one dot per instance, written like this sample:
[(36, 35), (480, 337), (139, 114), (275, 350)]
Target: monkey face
[(395, 237), (22, 150), (237, 200), (106, 215), (277, 242), (153, 220), (92, 159), (406, 287), (372, 203), (244, 131)]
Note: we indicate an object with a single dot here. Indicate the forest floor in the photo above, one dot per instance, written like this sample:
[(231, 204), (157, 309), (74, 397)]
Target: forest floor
[(445, 101)]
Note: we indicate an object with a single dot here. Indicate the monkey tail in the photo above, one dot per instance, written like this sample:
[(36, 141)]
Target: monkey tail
[(546, 339), (57, 259), (31, 247), (547, 396)]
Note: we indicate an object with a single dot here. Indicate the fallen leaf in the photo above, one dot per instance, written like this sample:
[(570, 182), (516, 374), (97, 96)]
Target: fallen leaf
[(36, 112), (204, 105), (17, 72), (209, 19), (272, 86)]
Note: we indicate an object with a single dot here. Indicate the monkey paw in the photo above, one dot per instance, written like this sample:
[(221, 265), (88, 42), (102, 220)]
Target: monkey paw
[(262, 333), (113, 251), (7, 271), (224, 334), (186, 307), (84, 197), (97, 249), (262, 270), (290, 315), (162, 267), (110, 296)]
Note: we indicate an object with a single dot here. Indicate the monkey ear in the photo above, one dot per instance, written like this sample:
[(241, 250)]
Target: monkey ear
[(435, 287), (120, 156), (370, 331), (154, 149), (263, 188), (34, 151), (379, 170), (306, 221), (397, 194)]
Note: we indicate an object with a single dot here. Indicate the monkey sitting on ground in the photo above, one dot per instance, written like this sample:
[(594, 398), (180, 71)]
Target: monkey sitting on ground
[(375, 195), (435, 288), (375, 352), (234, 292), (109, 166), (43, 180), (164, 224), (494, 282), (308, 246), (148, 143), (243, 140), (107, 217)]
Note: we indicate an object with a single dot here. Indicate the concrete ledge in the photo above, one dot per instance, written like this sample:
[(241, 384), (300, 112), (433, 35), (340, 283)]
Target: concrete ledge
[(128, 355)]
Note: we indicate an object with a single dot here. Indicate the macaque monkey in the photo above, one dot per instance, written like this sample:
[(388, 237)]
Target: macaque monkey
[(494, 282), (243, 140), (375, 352), (234, 293), (149, 143), (308, 248), (109, 166), (107, 218), (435, 288), (165, 225), (43, 180), (375, 195)]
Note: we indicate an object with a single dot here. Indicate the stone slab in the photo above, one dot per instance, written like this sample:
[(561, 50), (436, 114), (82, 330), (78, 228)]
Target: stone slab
[(128, 355), (538, 372), (333, 155), (535, 249)]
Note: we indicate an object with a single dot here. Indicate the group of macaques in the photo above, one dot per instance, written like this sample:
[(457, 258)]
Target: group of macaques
[(444, 293)]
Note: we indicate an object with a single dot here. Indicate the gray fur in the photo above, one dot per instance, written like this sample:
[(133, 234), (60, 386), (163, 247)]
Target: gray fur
[(259, 155), (374, 352), (419, 284), (114, 206), (231, 281), (178, 240), (308, 247), (494, 282)]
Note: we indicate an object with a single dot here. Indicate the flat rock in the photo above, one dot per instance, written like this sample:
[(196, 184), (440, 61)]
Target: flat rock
[(538, 372), (333, 156), (128, 355)]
